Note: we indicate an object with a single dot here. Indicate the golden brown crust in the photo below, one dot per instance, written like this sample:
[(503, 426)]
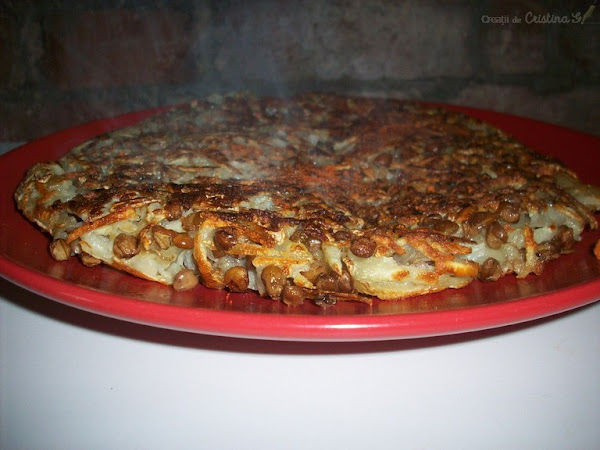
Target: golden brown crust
[(397, 181)]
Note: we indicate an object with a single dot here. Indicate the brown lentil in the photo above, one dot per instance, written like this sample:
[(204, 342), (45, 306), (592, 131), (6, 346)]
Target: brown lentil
[(476, 222), (236, 279), (183, 240), (495, 235), (325, 300), (225, 238), (431, 220), (162, 236), (75, 247), (444, 226), (564, 237), (89, 260), (59, 250), (273, 279), (173, 211), (292, 295), (192, 222), (490, 270), (363, 247), (310, 238), (126, 246), (345, 282), (546, 251), (185, 280), (509, 212), (327, 282)]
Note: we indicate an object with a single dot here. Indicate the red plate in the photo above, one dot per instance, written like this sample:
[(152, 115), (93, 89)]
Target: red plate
[(569, 282)]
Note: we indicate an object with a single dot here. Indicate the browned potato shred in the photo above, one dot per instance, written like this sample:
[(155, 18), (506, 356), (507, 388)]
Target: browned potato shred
[(317, 197)]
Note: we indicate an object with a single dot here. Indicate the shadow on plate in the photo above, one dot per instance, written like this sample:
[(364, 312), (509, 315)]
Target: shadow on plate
[(52, 310)]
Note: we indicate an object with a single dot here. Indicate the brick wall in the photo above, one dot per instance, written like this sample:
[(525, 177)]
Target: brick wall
[(66, 62)]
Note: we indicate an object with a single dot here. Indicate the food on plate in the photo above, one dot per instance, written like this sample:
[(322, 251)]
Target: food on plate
[(316, 197)]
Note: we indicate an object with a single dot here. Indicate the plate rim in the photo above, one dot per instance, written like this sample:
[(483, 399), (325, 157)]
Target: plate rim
[(296, 327), (302, 327)]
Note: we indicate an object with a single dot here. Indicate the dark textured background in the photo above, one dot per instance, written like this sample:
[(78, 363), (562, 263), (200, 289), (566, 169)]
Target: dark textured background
[(67, 62)]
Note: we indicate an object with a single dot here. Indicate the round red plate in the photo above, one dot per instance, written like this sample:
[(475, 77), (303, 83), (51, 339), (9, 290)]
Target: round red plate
[(569, 282)]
